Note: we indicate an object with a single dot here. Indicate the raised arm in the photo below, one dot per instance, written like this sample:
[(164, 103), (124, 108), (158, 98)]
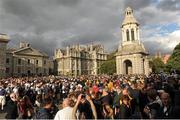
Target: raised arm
[(76, 106), (92, 106)]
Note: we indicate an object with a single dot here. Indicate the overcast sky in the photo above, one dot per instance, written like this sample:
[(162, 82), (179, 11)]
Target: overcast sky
[(51, 24)]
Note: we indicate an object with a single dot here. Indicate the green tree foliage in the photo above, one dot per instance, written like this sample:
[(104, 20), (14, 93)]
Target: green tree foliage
[(157, 65), (174, 60), (109, 66)]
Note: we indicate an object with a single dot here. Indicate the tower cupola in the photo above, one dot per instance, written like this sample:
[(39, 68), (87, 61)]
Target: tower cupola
[(130, 28)]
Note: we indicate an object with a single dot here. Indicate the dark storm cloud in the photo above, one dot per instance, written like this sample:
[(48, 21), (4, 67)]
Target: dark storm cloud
[(37, 17), (38, 42), (169, 5), (67, 2), (137, 4), (90, 38), (18, 7), (50, 24)]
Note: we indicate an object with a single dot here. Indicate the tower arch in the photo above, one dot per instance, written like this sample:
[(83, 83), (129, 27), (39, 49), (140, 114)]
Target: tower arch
[(132, 34), (128, 67), (127, 35)]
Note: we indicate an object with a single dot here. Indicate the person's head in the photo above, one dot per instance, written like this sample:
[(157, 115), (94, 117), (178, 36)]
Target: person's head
[(66, 102), (47, 103), (125, 91), (165, 98), (152, 94), (125, 99), (13, 97), (20, 92), (105, 90), (118, 89), (83, 98)]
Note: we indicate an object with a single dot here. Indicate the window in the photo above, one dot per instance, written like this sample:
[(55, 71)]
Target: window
[(127, 35), (37, 62), (28, 61), (19, 61), (44, 62), (132, 34), (7, 70), (7, 60)]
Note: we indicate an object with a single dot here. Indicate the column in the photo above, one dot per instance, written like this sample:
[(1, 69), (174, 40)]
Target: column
[(123, 36), (130, 37), (121, 66), (117, 65), (135, 34)]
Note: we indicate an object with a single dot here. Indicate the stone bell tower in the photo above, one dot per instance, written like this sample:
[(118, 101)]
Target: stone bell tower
[(131, 57), (4, 39)]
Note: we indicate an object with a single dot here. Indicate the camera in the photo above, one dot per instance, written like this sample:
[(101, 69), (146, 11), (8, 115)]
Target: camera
[(83, 96)]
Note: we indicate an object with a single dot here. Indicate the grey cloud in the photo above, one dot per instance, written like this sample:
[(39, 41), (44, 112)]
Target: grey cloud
[(90, 38), (68, 2), (152, 47), (20, 8), (169, 5), (137, 4), (49, 24), (36, 41)]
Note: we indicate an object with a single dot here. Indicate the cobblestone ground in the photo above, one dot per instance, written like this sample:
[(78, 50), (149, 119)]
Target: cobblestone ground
[(2, 114)]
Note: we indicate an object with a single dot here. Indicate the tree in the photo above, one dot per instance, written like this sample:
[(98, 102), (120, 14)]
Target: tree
[(109, 66), (157, 65), (174, 60)]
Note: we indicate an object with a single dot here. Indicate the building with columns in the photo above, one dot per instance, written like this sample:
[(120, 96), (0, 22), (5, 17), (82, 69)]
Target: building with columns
[(131, 57), (79, 60), (4, 39)]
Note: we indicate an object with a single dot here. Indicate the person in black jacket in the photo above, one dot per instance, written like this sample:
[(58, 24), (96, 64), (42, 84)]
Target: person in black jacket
[(125, 108), (153, 107), (12, 111), (167, 109), (45, 112)]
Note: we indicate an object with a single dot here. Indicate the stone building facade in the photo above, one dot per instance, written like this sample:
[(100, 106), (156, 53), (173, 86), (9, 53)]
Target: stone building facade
[(3, 45), (27, 61), (131, 57), (79, 60)]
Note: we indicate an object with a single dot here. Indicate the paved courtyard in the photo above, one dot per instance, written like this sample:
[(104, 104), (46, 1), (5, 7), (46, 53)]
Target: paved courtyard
[(2, 114)]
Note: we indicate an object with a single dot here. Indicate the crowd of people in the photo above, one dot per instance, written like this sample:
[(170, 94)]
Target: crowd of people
[(91, 97)]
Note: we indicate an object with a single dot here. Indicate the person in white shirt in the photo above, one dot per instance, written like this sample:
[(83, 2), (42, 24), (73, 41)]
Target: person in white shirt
[(66, 113)]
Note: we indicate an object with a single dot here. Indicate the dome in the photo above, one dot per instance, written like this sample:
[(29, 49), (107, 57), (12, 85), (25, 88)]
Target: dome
[(129, 18)]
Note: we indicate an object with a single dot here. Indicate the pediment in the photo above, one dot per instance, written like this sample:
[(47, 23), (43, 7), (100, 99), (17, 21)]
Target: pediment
[(29, 51)]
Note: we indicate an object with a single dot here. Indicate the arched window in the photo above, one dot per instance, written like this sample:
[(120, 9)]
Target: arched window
[(127, 35), (132, 34)]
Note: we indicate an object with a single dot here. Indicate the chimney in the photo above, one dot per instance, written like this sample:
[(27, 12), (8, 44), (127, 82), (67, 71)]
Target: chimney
[(24, 44)]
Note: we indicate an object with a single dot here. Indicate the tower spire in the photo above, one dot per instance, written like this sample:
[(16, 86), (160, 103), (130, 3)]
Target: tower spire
[(129, 17)]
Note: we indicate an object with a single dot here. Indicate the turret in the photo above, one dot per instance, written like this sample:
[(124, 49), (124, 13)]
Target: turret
[(130, 28)]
